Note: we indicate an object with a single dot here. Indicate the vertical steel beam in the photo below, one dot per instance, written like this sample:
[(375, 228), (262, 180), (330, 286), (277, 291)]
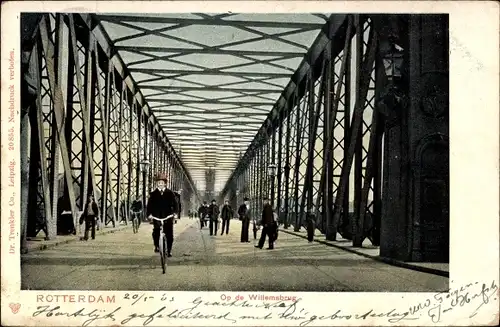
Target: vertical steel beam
[(273, 161), (254, 180), (34, 158), (356, 122), (358, 152), (42, 156), (298, 152), (130, 111), (121, 146), (104, 104), (149, 155), (327, 171), (59, 112), (347, 118), (325, 193), (311, 135), (55, 155), (298, 130), (307, 190), (280, 164), (156, 160), (324, 185), (168, 163), (167, 166), (106, 173), (377, 160), (27, 102), (140, 142), (91, 119), (287, 165), (92, 112), (85, 93), (85, 103), (153, 158), (260, 180), (107, 125), (265, 162), (67, 123), (360, 234)]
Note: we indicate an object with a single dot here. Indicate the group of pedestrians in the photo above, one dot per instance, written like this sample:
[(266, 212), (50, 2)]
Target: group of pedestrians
[(210, 213), (162, 202), (268, 222)]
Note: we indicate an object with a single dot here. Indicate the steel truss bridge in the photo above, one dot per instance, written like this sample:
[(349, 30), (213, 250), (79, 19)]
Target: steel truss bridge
[(352, 110)]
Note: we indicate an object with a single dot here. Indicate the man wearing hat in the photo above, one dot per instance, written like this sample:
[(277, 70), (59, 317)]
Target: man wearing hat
[(161, 204), (244, 213), (213, 213), (269, 225)]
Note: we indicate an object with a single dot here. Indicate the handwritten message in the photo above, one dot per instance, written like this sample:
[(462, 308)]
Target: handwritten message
[(12, 163), (469, 299)]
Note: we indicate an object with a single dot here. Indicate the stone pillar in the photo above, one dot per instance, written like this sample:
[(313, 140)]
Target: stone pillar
[(415, 210)]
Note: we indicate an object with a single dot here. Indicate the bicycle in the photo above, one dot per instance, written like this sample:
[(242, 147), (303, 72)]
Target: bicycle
[(163, 241), (135, 221)]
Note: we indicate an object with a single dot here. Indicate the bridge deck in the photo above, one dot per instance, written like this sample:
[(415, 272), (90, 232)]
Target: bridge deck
[(126, 261)]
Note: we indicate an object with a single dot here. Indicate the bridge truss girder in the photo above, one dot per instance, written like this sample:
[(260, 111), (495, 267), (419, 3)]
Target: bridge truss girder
[(81, 108), (317, 148)]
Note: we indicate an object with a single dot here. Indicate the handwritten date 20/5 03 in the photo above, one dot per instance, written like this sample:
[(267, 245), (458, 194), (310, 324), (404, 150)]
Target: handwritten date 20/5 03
[(136, 297)]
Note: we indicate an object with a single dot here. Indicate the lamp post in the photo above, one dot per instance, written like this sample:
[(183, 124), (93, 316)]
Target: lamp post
[(393, 62), (144, 167), (271, 169), (136, 165), (180, 200), (392, 95)]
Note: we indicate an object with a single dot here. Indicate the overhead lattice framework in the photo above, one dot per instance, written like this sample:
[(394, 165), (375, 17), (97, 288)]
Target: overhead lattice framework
[(211, 80)]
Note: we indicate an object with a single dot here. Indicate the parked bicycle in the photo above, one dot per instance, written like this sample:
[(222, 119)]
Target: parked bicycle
[(163, 242)]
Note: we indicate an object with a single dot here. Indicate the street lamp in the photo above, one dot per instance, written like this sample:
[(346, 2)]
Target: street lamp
[(180, 200), (392, 96), (144, 167), (271, 169), (393, 62)]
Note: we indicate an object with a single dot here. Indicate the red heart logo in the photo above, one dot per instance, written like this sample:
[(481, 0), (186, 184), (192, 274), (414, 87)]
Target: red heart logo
[(15, 307)]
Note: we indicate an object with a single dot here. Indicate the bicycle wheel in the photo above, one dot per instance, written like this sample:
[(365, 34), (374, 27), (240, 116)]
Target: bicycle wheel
[(162, 253)]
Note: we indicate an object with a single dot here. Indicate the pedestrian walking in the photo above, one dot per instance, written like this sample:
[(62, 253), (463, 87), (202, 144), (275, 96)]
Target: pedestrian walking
[(213, 212), (244, 213), (227, 215), (268, 223), (90, 215)]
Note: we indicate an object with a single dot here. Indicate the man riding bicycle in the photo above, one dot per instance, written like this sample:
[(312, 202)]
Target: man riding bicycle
[(202, 213), (136, 209), (161, 204)]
